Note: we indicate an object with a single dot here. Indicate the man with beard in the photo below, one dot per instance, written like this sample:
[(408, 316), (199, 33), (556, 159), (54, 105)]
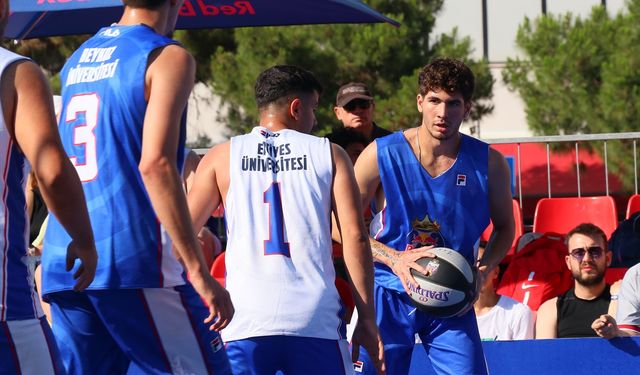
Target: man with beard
[(571, 314)]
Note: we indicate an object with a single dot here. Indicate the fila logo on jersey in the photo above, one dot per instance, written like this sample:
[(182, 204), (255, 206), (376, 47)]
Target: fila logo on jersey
[(357, 366), (216, 344), (461, 180)]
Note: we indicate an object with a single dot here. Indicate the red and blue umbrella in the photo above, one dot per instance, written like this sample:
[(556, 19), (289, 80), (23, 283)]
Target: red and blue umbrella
[(43, 18)]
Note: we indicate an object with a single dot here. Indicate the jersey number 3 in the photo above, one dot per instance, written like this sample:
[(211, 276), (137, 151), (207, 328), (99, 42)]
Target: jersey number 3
[(83, 133), (275, 244)]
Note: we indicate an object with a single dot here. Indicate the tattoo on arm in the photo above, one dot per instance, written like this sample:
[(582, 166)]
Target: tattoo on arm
[(380, 254)]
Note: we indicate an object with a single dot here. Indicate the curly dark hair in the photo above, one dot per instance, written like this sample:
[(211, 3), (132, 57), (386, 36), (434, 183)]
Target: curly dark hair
[(447, 74), (280, 83)]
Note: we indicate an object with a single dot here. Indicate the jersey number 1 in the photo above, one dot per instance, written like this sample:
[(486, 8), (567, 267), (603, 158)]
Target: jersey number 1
[(83, 133), (275, 244)]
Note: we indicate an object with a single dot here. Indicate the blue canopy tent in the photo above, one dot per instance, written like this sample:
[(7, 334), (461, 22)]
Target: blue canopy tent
[(42, 18)]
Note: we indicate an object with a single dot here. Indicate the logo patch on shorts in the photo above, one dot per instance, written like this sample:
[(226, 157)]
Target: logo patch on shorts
[(216, 344), (357, 366)]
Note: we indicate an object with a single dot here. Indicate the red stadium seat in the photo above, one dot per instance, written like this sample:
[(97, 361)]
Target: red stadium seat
[(218, 270), (560, 215), (614, 274), (633, 205), (517, 218)]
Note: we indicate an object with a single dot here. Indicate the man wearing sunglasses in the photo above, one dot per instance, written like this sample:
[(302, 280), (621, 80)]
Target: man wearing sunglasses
[(354, 108), (571, 314)]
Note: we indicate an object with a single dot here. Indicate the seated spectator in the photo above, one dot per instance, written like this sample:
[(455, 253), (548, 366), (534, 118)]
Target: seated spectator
[(625, 243), (500, 317), (572, 313), (628, 310)]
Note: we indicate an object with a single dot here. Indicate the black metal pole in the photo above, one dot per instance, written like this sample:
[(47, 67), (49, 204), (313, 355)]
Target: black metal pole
[(544, 6), (485, 31)]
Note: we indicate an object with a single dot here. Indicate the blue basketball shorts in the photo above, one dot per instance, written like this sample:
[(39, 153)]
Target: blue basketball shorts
[(136, 331), (453, 345), (28, 347), (268, 355)]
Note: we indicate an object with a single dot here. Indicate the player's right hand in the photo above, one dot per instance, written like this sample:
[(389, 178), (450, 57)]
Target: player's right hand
[(404, 261), (366, 334), (216, 297), (87, 269)]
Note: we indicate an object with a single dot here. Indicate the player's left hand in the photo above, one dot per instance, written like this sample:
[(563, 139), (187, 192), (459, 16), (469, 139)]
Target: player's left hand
[(89, 261), (366, 334), (221, 309), (605, 326)]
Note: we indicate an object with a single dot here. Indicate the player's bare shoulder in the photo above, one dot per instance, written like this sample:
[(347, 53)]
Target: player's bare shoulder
[(497, 162)]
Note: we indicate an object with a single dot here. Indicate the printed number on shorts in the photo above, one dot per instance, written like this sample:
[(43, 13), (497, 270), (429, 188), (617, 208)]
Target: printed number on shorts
[(276, 243), (83, 133)]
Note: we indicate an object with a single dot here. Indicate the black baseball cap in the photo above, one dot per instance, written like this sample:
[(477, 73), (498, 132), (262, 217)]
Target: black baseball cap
[(351, 91)]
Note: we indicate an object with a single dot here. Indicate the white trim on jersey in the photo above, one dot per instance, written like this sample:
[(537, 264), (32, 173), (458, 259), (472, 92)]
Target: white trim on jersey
[(183, 350), (31, 347), (4, 279)]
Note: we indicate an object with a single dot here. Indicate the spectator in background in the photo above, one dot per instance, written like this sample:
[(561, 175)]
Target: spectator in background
[(500, 317), (572, 313), (355, 107), (628, 309), (352, 141)]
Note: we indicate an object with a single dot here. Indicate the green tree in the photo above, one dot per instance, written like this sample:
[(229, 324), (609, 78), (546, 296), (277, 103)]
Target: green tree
[(385, 57), (581, 76), (49, 53)]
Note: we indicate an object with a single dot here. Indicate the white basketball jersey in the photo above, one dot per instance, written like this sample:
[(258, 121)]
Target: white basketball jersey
[(279, 268), (18, 299)]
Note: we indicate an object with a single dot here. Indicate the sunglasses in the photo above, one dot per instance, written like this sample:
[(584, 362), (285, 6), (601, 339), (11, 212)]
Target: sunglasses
[(595, 252), (359, 103)]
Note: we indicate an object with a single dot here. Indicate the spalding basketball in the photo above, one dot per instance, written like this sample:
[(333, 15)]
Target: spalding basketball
[(450, 286)]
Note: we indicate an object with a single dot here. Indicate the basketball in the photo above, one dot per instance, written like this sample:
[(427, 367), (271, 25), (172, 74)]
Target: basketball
[(450, 286)]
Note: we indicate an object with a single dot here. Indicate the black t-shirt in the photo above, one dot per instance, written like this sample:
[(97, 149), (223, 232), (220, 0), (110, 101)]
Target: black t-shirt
[(38, 215), (575, 315), (378, 132)]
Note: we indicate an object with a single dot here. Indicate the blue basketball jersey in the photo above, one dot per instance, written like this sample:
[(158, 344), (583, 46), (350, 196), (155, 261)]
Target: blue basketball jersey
[(101, 125), (18, 299), (449, 210)]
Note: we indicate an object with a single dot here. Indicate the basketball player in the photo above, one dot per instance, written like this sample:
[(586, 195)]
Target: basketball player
[(433, 186), (28, 135), (124, 93), (279, 186)]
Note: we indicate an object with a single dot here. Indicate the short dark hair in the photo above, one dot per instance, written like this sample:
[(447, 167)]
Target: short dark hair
[(447, 74), (343, 137), (149, 4), (588, 229), (280, 83)]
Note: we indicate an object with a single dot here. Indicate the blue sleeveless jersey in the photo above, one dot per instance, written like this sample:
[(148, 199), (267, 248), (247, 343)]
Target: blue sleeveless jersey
[(449, 210), (101, 123)]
